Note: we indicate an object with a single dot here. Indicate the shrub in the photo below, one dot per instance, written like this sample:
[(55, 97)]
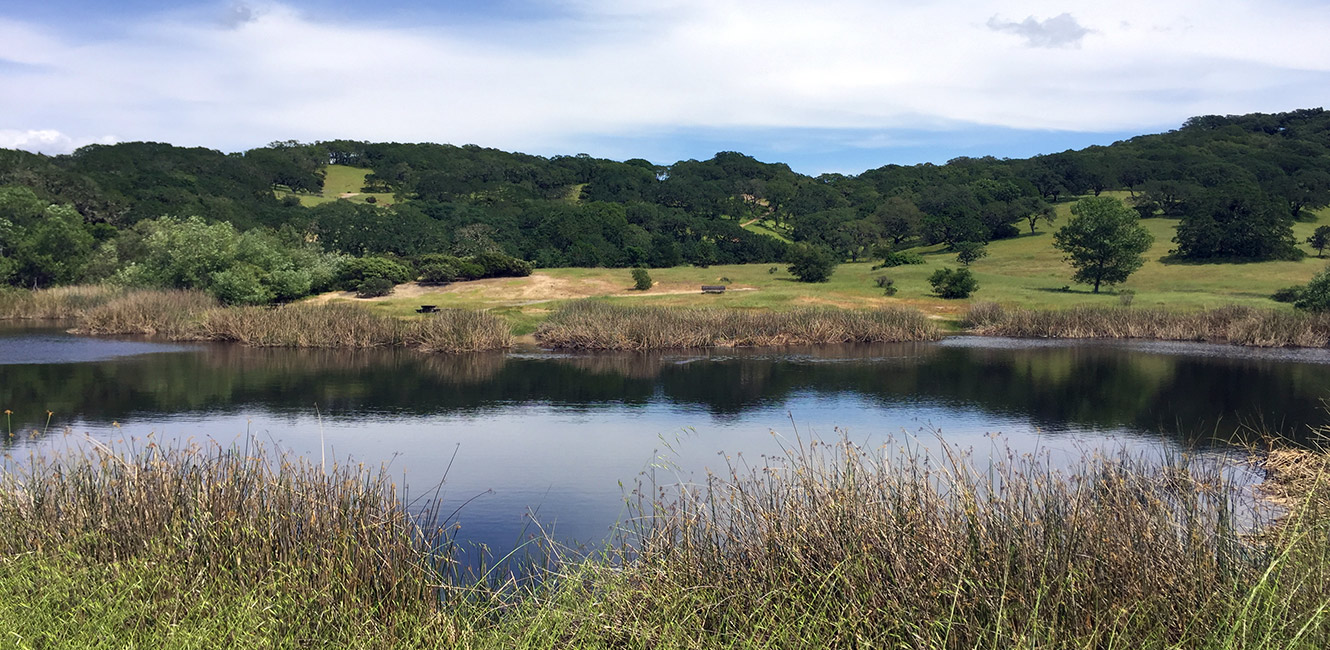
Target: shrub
[(494, 264), (900, 259), (641, 279), (958, 283), (970, 251), (1316, 295), (371, 199), (374, 287), (1288, 294), (885, 283), (1126, 296), (356, 271), (810, 262)]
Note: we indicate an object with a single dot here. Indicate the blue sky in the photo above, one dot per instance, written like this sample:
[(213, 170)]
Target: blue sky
[(834, 86)]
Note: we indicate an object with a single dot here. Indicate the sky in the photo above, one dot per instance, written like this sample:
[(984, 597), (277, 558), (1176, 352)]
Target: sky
[(832, 86)]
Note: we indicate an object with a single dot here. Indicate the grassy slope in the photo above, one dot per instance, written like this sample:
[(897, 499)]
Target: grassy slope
[(1025, 271), (339, 180)]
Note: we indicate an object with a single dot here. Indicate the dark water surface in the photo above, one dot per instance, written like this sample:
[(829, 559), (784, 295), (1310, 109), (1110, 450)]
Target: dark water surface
[(555, 433)]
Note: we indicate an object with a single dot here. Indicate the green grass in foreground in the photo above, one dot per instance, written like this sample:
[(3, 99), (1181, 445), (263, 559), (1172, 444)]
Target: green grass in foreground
[(835, 546)]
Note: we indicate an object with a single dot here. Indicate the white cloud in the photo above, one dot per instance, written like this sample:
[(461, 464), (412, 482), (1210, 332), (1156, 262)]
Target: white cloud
[(47, 141), (622, 67)]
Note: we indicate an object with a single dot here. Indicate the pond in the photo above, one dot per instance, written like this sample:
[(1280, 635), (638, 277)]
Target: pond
[(561, 437)]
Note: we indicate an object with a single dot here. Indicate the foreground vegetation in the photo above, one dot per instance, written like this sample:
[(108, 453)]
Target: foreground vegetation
[(834, 546)]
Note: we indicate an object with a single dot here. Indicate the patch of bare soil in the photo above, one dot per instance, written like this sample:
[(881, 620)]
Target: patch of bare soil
[(535, 288)]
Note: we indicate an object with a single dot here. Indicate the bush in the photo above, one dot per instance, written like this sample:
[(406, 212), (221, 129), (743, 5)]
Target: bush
[(958, 283), (1126, 296), (641, 279), (1316, 295), (810, 262), (1288, 294), (970, 251), (498, 265), (900, 259), (374, 287), (439, 273), (885, 283), (356, 271)]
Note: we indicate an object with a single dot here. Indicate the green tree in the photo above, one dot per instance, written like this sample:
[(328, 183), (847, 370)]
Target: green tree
[(1320, 239), (811, 262), (1103, 241), (970, 251), (1315, 296), (641, 279), (957, 283)]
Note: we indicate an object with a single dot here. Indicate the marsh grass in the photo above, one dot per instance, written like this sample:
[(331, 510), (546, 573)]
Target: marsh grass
[(596, 325), (1233, 324), (54, 303), (210, 522), (838, 545), (194, 316), (832, 545)]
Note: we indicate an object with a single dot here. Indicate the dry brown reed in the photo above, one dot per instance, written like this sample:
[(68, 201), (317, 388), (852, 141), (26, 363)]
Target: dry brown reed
[(876, 548), (249, 513), (54, 303), (595, 325), (169, 314), (1232, 324), (194, 316)]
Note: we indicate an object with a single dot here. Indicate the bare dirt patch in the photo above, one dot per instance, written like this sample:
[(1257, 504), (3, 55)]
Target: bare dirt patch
[(535, 288)]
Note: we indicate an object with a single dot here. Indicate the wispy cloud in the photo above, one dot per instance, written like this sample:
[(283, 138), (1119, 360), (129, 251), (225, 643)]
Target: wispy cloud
[(1059, 31), (600, 69), (47, 141)]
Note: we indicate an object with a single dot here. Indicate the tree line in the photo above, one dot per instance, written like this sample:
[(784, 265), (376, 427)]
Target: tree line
[(1234, 183)]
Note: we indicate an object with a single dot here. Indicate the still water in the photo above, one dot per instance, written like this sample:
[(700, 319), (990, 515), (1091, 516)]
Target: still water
[(561, 437)]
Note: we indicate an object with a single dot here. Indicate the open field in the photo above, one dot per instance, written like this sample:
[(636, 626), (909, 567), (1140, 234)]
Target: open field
[(1025, 271), (341, 182)]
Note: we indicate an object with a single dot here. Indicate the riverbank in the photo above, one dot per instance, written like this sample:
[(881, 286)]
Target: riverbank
[(837, 546), (1232, 325), (599, 324), (176, 315), (592, 325)]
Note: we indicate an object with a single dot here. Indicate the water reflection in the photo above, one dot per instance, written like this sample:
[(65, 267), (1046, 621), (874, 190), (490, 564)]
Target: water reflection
[(557, 433)]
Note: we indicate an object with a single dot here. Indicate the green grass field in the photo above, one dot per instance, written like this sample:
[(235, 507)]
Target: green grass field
[(1023, 271), (340, 180)]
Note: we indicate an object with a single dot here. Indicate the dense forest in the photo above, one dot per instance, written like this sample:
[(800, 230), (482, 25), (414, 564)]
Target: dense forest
[(155, 214)]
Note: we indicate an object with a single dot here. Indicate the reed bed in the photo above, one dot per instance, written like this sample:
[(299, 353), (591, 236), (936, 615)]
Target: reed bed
[(168, 314), (1232, 324), (54, 303), (194, 316), (833, 545), (213, 522), (850, 547), (595, 325)]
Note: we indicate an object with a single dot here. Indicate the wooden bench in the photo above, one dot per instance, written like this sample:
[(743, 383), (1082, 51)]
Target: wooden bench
[(428, 309), (713, 288)]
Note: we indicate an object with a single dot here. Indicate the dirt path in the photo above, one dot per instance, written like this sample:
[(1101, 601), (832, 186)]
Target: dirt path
[(533, 289)]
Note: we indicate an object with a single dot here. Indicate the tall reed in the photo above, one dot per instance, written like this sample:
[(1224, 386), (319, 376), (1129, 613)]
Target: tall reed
[(54, 303), (839, 545), (1232, 324), (597, 325), (169, 314)]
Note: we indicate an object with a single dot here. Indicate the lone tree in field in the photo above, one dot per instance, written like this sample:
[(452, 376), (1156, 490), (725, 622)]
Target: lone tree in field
[(1320, 239), (1103, 241), (810, 262)]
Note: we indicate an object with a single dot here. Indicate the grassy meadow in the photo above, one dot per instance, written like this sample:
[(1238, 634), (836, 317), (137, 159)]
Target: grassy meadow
[(1024, 271), (341, 182)]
